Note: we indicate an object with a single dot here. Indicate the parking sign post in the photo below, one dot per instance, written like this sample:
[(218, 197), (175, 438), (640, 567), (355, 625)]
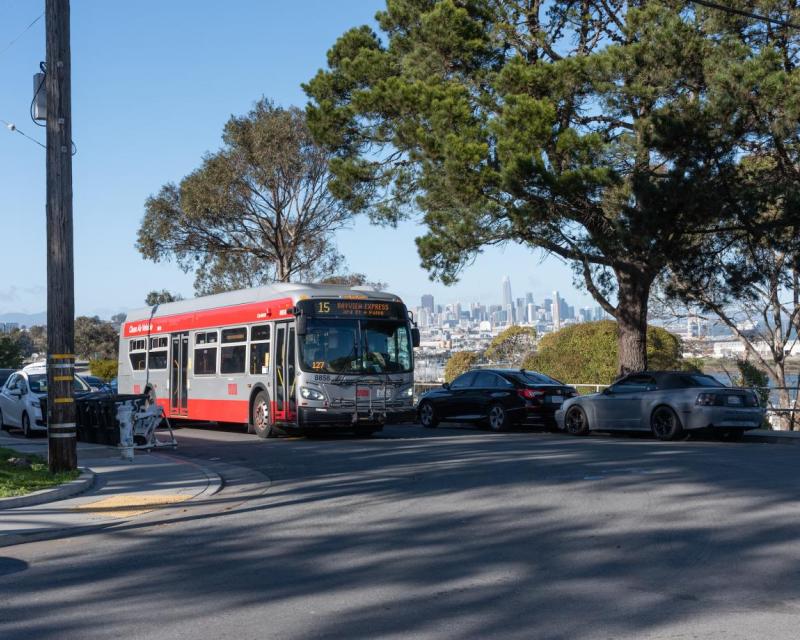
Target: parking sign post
[(62, 448)]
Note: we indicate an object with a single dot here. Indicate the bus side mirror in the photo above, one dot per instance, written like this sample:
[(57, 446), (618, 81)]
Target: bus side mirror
[(415, 339), (302, 326)]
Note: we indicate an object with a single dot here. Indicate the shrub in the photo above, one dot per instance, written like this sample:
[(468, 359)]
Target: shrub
[(460, 362), (105, 369), (586, 353)]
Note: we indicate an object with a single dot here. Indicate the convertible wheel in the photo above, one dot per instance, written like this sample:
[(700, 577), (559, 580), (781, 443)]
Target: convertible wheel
[(666, 424), (576, 422), (498, 418), (427, 416)]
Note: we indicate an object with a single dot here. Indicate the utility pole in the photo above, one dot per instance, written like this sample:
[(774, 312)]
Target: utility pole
[(61, 441)]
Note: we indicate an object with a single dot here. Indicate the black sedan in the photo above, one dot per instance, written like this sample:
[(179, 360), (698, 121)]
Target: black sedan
[(497, 398)]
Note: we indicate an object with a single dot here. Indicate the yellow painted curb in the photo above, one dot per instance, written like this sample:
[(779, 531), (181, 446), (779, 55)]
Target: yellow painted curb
[(126, 506)]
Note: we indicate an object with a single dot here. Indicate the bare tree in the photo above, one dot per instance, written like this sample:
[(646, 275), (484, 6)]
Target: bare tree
[(757, 284)]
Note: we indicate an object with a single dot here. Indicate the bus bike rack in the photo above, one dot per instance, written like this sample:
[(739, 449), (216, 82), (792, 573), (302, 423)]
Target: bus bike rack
[(371, 413)]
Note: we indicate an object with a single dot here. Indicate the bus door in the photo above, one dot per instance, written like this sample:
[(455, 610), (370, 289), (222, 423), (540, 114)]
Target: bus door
[(178, 383), (285, 372)]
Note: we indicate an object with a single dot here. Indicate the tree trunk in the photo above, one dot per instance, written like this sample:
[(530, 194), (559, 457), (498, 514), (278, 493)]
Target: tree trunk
[(633, 293)]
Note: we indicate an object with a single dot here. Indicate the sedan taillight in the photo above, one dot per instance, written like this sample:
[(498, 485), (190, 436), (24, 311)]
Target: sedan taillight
[(530, 394), (707, 399)]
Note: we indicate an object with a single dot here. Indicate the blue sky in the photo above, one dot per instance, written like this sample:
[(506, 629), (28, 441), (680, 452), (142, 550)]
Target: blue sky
[(153, 84)]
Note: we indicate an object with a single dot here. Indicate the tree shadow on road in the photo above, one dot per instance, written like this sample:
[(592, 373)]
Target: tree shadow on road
[(452, 536)]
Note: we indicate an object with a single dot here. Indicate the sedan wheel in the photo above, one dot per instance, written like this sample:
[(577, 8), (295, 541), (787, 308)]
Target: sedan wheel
[(666, 424), (498, 420), (2, 424), (26, 426), (427, 416), (576, 422)]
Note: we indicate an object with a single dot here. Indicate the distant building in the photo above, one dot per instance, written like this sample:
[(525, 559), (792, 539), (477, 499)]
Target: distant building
[(427, 302), (507, 299), (556, 311)]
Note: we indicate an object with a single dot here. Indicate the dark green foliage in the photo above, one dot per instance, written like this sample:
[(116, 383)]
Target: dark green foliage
[(751, 376), (600, 132), (95, 338), (10, 353), (256, 211), (586, 353)]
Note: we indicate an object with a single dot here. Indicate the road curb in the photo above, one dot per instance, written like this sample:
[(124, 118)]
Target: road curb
[(61, 492), (214, 483), (213, 479), (776, 439)]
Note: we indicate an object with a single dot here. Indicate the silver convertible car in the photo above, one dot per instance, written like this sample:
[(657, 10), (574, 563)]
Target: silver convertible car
[(666, 403)]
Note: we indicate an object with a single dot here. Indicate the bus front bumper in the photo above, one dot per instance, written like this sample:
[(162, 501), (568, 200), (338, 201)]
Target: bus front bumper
[(342, 418)]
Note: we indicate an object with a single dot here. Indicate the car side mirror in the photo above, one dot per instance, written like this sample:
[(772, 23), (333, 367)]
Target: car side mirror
[(16, 392), (415, 337), (445, 385), (607, 391)]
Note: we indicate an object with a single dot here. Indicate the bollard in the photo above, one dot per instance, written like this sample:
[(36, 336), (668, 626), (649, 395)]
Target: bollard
[(125, 418)]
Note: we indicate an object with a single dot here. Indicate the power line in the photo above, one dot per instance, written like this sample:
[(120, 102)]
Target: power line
[(13, 129), (746, 14), (22, 33)]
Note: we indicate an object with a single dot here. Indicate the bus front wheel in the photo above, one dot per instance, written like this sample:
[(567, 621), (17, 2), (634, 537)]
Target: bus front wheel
[(260, 416)]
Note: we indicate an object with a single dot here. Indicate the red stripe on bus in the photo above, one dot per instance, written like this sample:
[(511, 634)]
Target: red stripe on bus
[(210, 318), (213, 410)]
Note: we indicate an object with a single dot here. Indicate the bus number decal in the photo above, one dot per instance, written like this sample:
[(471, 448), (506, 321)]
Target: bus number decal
[(318, 365), (322, 378)]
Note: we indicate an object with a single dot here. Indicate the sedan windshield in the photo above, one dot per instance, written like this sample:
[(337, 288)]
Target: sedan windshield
[(356, 346), (38, 384)]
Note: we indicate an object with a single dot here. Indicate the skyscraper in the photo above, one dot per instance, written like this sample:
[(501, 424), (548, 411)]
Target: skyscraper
[(508, 301), (556, 311), (427, 302)]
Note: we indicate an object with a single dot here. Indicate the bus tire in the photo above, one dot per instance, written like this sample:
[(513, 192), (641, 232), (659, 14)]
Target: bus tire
[(259, 416)]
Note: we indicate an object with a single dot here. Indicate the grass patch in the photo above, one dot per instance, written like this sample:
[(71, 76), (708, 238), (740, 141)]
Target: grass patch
[(19, 480)]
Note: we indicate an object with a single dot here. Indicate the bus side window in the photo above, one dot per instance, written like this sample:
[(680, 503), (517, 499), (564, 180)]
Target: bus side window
[(138, 354), (205, 357), (259, 349)]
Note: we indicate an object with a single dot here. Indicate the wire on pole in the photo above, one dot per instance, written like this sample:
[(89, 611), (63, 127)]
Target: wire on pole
[(13, 129), (22, 33)]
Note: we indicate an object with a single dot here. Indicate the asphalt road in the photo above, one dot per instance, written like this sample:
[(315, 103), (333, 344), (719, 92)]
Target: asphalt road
[(453, 533)]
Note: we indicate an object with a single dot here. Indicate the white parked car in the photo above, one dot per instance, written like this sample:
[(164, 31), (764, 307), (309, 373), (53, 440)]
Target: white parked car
[(21, 396)]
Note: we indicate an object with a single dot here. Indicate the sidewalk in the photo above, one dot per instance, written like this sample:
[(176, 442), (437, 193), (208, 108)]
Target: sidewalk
[(121, 490)]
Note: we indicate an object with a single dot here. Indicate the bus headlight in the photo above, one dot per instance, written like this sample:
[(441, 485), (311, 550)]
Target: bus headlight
[(408, 393), (311, 394)]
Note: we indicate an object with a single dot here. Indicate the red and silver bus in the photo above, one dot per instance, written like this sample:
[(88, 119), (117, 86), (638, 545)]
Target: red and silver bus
[(278, 358)]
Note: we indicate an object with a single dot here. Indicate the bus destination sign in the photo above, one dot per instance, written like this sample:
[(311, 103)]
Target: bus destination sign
[(335, 308)]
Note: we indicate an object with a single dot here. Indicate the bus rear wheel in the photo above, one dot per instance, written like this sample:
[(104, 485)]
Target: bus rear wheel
[(259, 419)]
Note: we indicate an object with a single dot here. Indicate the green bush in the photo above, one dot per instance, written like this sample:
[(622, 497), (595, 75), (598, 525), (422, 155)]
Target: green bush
[(460, 362), (105, 369), (512, 345), (586, 353)]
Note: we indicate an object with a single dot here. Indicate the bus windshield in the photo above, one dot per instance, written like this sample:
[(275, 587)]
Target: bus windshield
[(355, 346)]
